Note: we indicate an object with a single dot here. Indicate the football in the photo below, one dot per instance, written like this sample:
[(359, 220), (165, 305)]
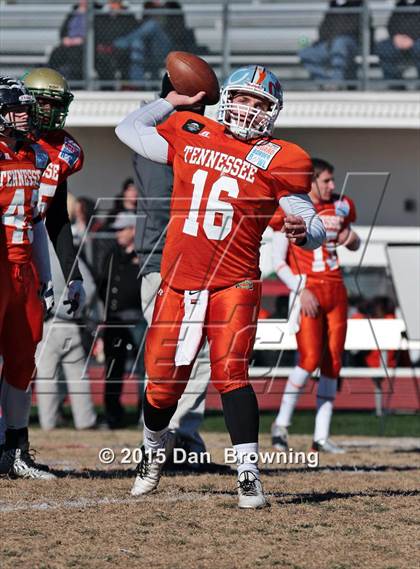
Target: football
[(190, 74)]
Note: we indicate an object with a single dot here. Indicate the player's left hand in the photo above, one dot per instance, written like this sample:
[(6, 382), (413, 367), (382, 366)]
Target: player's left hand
[(295, 228), (76, 297), (46, 293)]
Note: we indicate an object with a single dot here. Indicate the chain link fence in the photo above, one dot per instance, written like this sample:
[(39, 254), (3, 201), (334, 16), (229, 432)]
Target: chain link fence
[(310, 45)]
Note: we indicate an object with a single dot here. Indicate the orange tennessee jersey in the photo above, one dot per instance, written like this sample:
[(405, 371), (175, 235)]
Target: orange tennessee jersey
[(66, 158), (19, 182), (321, 263), (224, 194)]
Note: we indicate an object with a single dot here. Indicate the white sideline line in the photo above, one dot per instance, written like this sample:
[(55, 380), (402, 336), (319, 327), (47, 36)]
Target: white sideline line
[(91, 503)]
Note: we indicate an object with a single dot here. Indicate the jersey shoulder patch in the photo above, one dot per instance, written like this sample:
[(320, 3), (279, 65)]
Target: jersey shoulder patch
[(70, 151), (193, 126), (261, 155), (342, 207)]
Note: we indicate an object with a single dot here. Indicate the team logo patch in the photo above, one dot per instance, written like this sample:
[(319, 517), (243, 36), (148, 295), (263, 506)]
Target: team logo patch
[(193, 126), (247, 285), (70, 152), (261, 155), (342, 208)]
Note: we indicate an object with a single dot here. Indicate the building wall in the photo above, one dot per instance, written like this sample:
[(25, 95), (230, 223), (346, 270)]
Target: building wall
[(368, 155)]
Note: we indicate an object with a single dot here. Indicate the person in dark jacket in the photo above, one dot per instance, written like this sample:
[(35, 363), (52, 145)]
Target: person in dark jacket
[(182, 37), (119, 289), (148, 44), (67, 58), (115, 21), (110, 22), (402, 48), (332, 56)]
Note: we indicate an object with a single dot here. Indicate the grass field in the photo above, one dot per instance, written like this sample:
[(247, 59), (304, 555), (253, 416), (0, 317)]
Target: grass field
[(343, 423), (358, 510)]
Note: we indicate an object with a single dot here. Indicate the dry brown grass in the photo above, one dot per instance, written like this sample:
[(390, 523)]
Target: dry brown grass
[(359, 510)]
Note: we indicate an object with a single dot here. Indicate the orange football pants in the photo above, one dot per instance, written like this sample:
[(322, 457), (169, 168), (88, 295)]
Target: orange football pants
[(321, 339), (230, 327), (21, 322)]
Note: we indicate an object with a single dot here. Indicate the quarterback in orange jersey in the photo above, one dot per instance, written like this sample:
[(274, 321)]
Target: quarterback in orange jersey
[(21, 308), (229, 178), (318, 304)]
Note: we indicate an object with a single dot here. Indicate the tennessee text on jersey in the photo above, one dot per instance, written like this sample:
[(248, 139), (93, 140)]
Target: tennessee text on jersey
[(19, 182), (66, 158), (220, 161)]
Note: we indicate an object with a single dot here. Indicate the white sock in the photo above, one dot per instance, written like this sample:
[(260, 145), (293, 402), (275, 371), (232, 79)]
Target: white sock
[(294, 386), (154, 440), (16, 406), (327, 388), (246, 457)]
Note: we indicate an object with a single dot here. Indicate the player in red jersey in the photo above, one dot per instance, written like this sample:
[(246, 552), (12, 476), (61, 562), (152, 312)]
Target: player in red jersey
[(229, 177), (53, 98), (318, 305), (65, 157), (21, 308)]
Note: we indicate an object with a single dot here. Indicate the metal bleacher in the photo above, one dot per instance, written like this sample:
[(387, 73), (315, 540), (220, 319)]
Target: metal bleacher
[(264, 32)]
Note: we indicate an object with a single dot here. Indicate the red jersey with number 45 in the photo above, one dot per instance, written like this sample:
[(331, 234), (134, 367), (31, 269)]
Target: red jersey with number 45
[(321, 263), (224, 194), (66, 158), (19, 181)]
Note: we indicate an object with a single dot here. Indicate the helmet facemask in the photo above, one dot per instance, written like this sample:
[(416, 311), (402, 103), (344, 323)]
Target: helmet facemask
[(51, 108), (16, 120), (243, 121)]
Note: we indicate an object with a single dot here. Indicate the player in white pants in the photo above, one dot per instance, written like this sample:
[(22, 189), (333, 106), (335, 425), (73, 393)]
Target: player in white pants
[(61, 346)]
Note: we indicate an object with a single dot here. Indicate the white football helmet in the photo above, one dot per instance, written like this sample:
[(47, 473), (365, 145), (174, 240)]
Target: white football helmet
[(243, 121)]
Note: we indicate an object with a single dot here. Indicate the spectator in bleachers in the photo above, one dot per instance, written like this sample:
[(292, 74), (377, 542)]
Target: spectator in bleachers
[(110, 22), (148, 45), (332, 57), (115, 21), (67, 58), (402, 48), (181, 37)]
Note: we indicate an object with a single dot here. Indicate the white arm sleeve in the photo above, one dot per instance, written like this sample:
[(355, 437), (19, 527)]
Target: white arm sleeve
[(40, 254), (138, 130), (300, 204), (280, 245)]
